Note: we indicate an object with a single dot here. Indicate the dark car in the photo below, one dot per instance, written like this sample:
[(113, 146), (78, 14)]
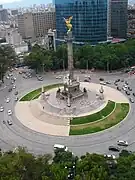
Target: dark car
[(128, 93), (118, 88), (114, 148), (86, 80), (133, 94), (129, 88), (101, 79), (16, 93), (10, 89)]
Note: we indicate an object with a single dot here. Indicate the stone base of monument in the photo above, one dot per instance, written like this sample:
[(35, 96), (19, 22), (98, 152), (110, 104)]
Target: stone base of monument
[(82, 104)]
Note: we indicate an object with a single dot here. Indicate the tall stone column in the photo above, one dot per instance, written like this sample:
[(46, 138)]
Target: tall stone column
[(70, 54)]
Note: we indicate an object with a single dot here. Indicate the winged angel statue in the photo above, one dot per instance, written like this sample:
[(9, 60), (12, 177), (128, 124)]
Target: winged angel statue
[(68, 23)]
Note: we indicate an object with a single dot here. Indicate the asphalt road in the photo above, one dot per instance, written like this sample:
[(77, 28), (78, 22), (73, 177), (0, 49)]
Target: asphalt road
[(38, 143)]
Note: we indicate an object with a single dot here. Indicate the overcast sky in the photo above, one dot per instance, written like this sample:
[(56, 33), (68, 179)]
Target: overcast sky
[(25, 3)]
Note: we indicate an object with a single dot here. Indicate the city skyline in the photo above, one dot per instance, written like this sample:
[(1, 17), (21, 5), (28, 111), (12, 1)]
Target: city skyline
[(25, 3)]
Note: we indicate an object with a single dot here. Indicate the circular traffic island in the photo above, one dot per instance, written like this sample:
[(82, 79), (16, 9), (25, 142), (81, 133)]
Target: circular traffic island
[(45, 113)]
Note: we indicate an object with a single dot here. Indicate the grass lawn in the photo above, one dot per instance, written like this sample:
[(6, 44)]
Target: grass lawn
[(96, 116), (36, 93), (117, 116)]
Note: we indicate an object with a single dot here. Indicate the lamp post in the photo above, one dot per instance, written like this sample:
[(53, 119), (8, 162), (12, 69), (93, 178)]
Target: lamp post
[(107, 66), (43, 67)]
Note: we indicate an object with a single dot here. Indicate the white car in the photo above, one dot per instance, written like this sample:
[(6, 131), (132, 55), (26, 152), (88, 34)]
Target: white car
[(58, 77), (122, 143), (7, 77), (124, 89), (14, 86), (16, 98), (102, 83), (1, 109), (9, 112), (109, 156), (59, 146), (125, 86), (7, 100), (9, 122)]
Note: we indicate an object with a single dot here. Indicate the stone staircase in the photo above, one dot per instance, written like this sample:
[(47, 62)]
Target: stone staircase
[(43, 115)]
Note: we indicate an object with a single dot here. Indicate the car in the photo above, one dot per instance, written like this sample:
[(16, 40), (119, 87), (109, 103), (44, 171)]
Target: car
[(122, 80), (109, 156), (126, 82), (12, 82), (127, 92), (1, 109), (9, 112), (58, 77), (101, 79), (20, 72), (16, 93), (14, 86), (125, 85), (10, 89), (118, 88), (124, 89), (122, 143), (7, 100), (133, 94), (7, 77), (9, 122), (102, 83), (131, 100), (118, 80), (129, 88), (16, 98), (59, 146), (10, 75), (114, 148), (87, 76), (108, 82), (86, 80)]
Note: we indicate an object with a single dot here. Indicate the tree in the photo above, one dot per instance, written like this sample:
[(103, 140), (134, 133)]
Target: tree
[(7, 59)]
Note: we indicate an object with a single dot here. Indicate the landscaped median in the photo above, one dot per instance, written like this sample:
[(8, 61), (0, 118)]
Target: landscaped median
[(36, 93), (120, 112), (96, 116)]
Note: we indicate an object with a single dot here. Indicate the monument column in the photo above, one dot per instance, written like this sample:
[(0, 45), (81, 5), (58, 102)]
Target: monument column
[(69, 40)]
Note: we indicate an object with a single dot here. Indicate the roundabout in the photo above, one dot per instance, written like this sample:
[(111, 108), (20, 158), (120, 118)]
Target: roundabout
[(47, 114), (40, 143)]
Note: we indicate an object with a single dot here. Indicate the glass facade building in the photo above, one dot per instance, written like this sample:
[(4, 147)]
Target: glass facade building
[(89, 19), (119, 15)]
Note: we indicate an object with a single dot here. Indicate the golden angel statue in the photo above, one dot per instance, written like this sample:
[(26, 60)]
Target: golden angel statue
[(68, 23)]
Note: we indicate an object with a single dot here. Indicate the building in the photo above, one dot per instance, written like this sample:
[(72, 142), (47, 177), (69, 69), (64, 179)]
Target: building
[(109, 18), (131, 22), (36, 24), (14, 12), (42, 22), (119, 18), (3, 15), (25, 25), (13, 37), (89, 19)]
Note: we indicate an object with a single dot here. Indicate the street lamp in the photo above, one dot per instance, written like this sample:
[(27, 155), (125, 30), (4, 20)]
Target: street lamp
[(43, 67)]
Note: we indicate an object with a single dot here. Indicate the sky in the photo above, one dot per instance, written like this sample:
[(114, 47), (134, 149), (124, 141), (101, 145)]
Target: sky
[(26, 3)]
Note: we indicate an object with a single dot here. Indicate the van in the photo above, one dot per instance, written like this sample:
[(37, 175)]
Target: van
[(59, 146)]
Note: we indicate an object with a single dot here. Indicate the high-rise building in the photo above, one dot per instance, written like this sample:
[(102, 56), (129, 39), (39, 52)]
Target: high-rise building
[(25, 25), (131, 22), (119, 18), (36, 24), (3, 15), (89, 19), (43, 21)]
